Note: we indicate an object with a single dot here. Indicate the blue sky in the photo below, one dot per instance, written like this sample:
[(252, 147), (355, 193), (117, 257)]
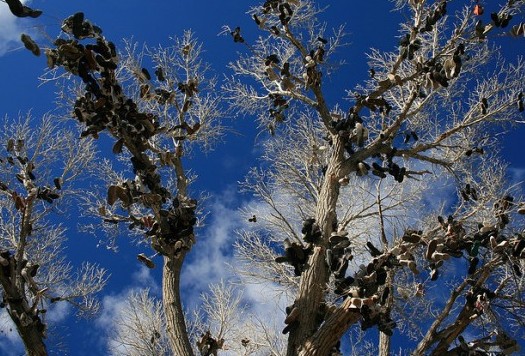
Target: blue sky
[(368, 23)]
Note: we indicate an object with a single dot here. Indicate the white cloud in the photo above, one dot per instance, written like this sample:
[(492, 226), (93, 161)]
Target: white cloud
[(209, 258), (114, 305), (143, 277), (58, 312), (10, 343), (11, 28), (516, 175)]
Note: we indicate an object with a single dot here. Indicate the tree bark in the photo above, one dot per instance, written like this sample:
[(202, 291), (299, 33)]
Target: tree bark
[(448, 334), (176, 325), (30, 330), (28, 324), (384, 339), (32, 339), (331, 331), (314, 279)]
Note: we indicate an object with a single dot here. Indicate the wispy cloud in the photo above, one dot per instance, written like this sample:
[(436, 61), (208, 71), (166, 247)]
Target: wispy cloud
[(10, 343), (115, 305), (209, 260), (516, 175), (11, 28)]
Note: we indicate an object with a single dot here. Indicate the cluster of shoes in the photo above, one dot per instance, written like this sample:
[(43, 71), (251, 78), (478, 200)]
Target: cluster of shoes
[(311, 231), (79, 28), (501, 209), (236, 34), (283, 11), (468, 193), (502, 344), (311, 77), (26, 176), (452, 65), (434, 17), (374, 104), (282, 8), (457, 243), (373, 314), (498, 20), (338, 254), (408, 47), (351, 129), (478, 300), (479, 150), (292, 320), (292, 314), (104, 106), (174, 227), (171, 231), (286, 82), (15, 150), (14, 299), (410, 135), (209, 346), (437, 74), (279, 105), (296, 255), (402, 251), (399, 173), (9, 264), (363, 289), (127, 192), (162, 96)]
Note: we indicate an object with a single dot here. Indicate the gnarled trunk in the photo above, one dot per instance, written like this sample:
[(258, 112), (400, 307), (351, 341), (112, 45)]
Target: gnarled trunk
[(315, 278), (28, 326), (384, 339), (176, 325), (32, 338)]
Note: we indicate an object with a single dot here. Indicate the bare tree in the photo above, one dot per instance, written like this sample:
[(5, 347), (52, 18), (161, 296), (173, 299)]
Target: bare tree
[(141, 330), (358, 178), (34, 190), (343, 189), (156, 121)]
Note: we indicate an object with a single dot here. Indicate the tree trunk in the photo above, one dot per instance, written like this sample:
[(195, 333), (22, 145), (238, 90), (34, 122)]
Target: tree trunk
[(384, 344), (30, 328), (33, 339), (384, 339), (315, 278), (313, 284), (176, 325), (332, 330)]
